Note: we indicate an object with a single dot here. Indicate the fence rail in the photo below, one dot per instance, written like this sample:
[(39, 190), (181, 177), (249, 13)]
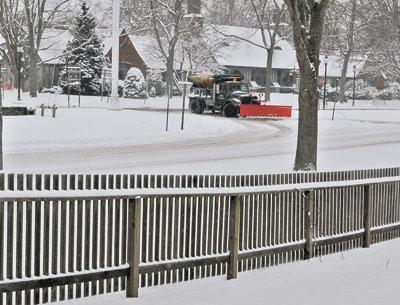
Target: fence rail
[(70, 236)]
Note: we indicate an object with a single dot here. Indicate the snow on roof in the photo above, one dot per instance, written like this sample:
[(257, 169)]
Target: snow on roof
[(335, 64), (237, 52), (148, 49), (146, 46)]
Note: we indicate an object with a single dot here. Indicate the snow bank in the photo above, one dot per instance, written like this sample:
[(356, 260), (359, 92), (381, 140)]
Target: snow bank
[(358, 277)]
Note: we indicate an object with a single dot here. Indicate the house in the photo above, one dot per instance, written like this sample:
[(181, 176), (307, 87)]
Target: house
[(135, 51), (243, 53), (233, 54), (50, 53), (332, 64)]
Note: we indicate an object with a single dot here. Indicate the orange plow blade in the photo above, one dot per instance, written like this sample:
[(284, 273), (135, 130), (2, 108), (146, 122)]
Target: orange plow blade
[(266, 111)]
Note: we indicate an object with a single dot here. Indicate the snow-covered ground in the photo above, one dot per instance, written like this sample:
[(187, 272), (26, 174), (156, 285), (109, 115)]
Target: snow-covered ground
[(95, 139), (358, 277)]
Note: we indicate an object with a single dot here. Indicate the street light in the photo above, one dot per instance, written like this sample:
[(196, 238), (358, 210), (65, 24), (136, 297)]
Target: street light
[(354, 84), (20, 50), (326, 68)]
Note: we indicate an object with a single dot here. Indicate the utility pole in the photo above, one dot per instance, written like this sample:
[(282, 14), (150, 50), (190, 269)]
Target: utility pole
[(114, 105), (354, 85)]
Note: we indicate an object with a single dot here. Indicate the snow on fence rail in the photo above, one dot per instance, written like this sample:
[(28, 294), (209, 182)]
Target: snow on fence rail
[(69, 236)]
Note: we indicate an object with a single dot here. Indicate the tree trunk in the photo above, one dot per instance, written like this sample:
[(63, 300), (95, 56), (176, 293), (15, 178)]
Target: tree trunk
[(343, 77), (170, 71), (1, 130), (310, 15), (268, 75), (33, 74), (349, 51), (307, 137)]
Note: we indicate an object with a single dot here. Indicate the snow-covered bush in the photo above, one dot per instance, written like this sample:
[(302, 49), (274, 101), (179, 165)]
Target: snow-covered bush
[(390, 93), (365, 92), (135, 85), (331, 93), (153, 92), (362, 90), (154, 80), (52, 90)]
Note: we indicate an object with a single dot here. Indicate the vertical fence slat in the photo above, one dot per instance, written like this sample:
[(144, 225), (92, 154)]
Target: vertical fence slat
[(367, 216), (308, 223), (234, 223), (134, 218)]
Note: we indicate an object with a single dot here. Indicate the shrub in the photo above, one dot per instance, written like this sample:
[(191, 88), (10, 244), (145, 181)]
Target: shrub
[(134, 84), (362, 90), (154, 80)]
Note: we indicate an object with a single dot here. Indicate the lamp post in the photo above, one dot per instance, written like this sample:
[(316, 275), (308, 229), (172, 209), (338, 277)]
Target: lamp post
[(20, 50), (326, 68), (354, 85), (115, 57)]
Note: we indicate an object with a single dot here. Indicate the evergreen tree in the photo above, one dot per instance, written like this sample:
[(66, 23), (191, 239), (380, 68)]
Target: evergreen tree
[(85, 51)]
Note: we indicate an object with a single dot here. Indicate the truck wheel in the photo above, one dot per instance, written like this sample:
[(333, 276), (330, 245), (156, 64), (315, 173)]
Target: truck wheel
[(202, 106), (230, 111), (195, 106)]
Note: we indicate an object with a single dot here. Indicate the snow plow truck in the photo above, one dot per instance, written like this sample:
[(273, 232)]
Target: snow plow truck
[(229, 95)]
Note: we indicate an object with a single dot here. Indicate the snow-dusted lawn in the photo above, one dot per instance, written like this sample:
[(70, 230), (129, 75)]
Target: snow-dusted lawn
[(358, 277), (95, 139)]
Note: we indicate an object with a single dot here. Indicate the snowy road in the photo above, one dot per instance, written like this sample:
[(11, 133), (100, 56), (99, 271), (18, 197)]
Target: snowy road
[(353, 140), (94, 139)]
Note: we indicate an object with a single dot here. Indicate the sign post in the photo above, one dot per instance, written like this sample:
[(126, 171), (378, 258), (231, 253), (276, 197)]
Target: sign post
[(169, 94), (74, 79), (185, 86), (106, 77)]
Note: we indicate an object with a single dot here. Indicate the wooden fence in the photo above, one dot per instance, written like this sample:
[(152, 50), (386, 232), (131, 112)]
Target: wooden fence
[(70, 236)]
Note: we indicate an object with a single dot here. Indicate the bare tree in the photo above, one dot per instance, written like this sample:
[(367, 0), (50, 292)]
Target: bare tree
[(384, 38), (167, 18), (228, 12), (137, 16), (11, 29), (345, 33), (269, 16), (38, 15), (307, 18)]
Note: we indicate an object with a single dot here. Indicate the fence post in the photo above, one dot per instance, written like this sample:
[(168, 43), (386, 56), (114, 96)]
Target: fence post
[(134, 218), (234, 224), (308, 224), (367, 216)]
